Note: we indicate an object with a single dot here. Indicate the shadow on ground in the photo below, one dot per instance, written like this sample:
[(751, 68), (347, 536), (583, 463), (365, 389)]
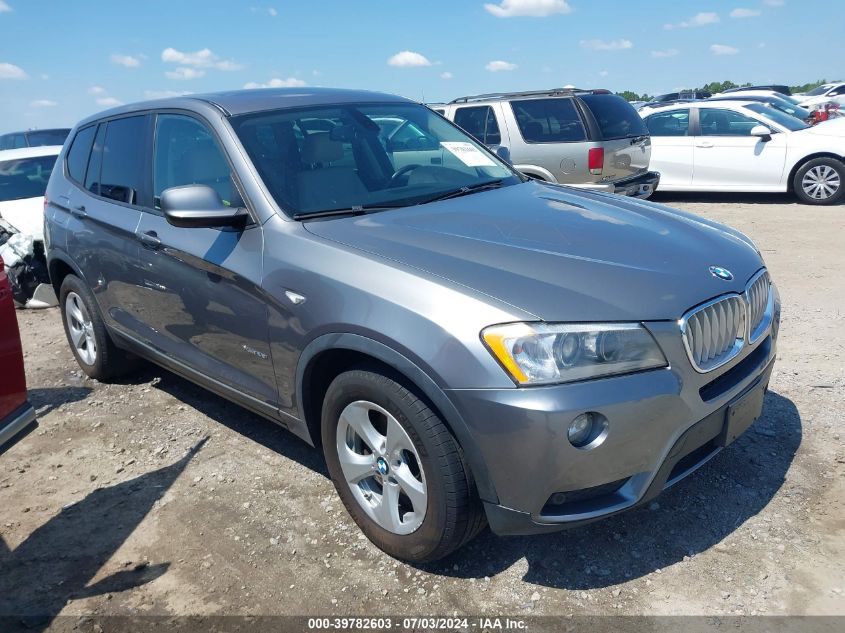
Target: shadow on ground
[(670, 197), (693, 516), (58, 560), (45, 399)]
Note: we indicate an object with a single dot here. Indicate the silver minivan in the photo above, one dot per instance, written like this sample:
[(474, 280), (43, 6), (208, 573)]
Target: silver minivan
[(584, 138)]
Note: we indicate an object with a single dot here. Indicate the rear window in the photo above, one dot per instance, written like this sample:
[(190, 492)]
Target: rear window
[(615, 116), (39, 138), (548, 121), (77, 156)]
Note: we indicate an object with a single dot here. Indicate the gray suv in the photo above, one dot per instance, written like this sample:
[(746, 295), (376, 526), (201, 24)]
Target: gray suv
[(467, 345), (591, 139)]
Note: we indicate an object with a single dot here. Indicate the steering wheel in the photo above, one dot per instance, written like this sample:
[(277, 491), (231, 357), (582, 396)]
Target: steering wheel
[(402, 171)]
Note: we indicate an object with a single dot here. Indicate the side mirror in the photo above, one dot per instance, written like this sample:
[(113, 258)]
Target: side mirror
[(762, 132), (199, 206), (502, 152)]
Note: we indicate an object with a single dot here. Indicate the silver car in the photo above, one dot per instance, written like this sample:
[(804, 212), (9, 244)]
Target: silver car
[(467, 345), (590, 139)]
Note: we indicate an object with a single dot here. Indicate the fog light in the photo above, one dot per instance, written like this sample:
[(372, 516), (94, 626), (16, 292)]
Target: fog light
[(588, 429)]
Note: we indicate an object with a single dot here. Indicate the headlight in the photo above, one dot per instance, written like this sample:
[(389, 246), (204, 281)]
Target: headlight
[(540, 353)]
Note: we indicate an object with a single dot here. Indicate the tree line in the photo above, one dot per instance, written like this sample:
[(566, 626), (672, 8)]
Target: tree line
[(718, 86)]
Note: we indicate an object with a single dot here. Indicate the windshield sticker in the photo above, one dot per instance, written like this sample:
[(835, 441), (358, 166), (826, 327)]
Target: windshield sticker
[(469, 154)]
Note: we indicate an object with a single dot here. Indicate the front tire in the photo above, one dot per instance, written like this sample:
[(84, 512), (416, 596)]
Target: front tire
[(86, 333), (398, 470), (820, 181)]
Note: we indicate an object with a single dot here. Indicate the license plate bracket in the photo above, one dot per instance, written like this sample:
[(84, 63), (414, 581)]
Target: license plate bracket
[(742, 413)]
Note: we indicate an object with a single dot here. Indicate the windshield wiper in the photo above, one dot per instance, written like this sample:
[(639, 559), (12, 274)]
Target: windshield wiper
[(353, 210), (465, 191)]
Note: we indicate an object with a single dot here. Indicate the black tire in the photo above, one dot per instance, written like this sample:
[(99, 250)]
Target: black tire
[(454, 514), (815, 165), (109, 362)]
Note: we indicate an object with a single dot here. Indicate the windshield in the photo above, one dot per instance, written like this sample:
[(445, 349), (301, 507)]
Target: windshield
[(25, 177), (790, 108), (815, 92), (781, 118), (357, 156)]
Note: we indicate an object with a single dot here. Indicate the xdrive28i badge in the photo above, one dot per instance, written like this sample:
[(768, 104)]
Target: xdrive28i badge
[(721, 273)]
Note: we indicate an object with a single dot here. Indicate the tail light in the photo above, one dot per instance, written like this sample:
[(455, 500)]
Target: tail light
[(595, 160)]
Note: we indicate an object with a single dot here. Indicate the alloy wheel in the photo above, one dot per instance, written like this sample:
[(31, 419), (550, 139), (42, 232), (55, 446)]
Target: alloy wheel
[(80, 328), (382, 467), (821, 182)]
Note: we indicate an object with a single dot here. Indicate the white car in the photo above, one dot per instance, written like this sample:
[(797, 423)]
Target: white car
[(745, 146), (23, 179), (825, 93)]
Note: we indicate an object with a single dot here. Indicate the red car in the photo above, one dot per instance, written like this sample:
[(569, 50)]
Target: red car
[(17, 416)]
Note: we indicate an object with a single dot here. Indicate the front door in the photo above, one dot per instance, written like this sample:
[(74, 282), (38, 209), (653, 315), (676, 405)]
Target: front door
[(204, 305)]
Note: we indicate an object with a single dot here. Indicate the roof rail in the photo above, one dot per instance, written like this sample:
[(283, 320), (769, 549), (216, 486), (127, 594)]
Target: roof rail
[(552, 92)]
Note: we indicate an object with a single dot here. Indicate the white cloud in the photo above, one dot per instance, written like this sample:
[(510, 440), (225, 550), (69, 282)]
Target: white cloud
[(96, 90), (774, 3), (408, 58), (669, 52), (722, 49), (125, 60), (290, 82), (612, 45), (204, 58), (108, 102), (10, 71), (528, 8), (272, 12), (603, 73), (4, 8), (183, 73), (164, 94), (43, 103), (699, 19), (499, 65), (446, 75), (745, 13)]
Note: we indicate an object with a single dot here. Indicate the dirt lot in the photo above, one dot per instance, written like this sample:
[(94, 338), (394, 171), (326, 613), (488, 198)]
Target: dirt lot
[(117, 504)]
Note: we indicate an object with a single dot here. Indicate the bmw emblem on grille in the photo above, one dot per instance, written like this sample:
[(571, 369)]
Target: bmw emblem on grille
[(721, 273)]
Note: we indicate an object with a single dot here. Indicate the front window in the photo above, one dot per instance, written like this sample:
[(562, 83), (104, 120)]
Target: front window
[(25, 177), (718, 122), (354, 157), (781, 118)]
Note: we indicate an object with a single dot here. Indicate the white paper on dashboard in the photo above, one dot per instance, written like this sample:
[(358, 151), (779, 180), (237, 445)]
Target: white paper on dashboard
[(468, 154)]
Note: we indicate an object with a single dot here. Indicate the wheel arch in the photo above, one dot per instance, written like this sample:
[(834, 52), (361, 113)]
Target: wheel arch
[(331, 354), (790, 184), (59, 267)]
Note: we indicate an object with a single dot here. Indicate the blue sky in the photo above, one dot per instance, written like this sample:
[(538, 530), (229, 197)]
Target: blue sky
[(63, 60)]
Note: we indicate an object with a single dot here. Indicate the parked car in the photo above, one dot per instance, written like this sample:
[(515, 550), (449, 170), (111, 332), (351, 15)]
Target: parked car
[(778, 103), (465, 343), (825, 93), (746, 146), (683, 95), (33, 138), (741, 93), (24, 174), (591, 139), (17, 416), (778, 88)]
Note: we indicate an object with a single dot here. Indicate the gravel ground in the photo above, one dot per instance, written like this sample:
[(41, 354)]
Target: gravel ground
[(118, 504)]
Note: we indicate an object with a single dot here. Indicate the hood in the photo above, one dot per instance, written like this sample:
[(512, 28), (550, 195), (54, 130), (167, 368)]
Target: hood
[(831, 127), (26, 215), (559, 253)]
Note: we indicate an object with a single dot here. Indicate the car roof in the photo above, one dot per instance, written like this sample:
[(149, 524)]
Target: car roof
[(30, 152), (236, 102)]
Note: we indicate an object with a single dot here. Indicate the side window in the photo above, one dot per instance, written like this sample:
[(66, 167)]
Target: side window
[(122, 174), (837, 92), (480, 121), (92, 174), (186, 153), (725, 123), (77, 156), (673, 123), (19, 141), (6, 141), (548, 121)]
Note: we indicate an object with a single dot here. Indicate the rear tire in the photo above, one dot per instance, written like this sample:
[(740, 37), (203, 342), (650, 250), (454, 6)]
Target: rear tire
[(820, 181), (366, 416), (86, 333)]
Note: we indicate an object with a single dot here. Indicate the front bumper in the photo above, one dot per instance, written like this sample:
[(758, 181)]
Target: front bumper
[(664, 424), (16, 425)]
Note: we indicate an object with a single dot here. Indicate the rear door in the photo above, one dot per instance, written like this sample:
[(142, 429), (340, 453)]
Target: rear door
[(727, 157), (202, 300), (623, 135), (104, 212), (672, 147)]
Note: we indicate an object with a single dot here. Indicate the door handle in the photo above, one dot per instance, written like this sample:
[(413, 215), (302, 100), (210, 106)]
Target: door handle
[(150, 239), (79, 212), (705, 145)]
